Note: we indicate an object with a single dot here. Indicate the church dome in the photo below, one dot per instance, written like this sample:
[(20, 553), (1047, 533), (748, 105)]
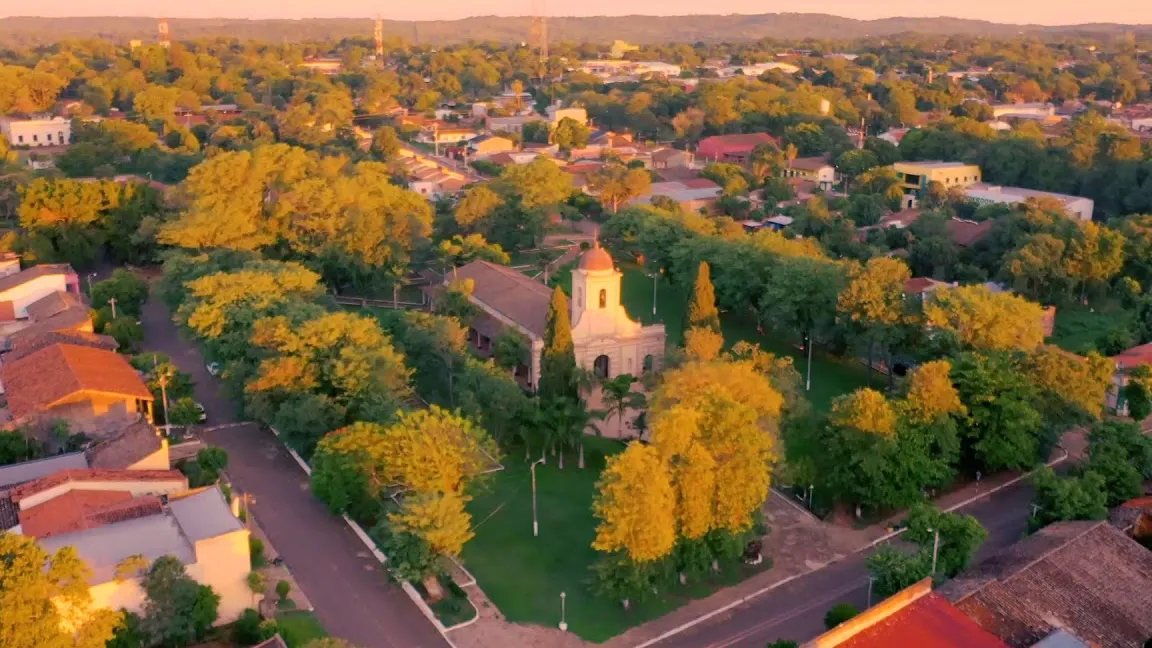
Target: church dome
[(596, 259)]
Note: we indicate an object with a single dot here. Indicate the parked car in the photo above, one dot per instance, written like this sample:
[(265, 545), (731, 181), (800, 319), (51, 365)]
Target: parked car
[(203, 413), (213, 368)]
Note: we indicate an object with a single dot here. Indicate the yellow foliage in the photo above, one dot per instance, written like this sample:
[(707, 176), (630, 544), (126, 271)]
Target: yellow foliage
[(674, 430), (875, 296), (739, 379), (702, 343), (743, 452), (931, 393), (694, 479), (435, 451), (987, 320), (439, 518), (214, 299), (866, 410), (636, 505), (1079, 381)]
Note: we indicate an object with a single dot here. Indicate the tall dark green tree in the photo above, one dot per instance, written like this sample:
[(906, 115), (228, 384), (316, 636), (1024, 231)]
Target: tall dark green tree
[(558, 363)]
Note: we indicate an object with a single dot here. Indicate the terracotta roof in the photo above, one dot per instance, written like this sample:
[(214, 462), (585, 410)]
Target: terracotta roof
[(68, 512), (9, 512), (719, 145), (928, 622), (1087, 578), (43, 270), (1137, 356), (36, 339), (53, 303), (88, 475), (509, 293), (966, 233), (677, 174), (52, 373), (132, 444), (811, 163), (596, 259), (699, 183), (918, 285), (904, 216), (665, 154)]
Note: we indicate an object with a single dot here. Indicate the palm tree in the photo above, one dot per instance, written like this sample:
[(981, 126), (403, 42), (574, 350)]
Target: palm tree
[(619, 398), (568, 419)]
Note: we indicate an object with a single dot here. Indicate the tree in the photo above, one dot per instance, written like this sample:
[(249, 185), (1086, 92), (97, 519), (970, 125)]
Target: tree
[(931, 393), (15, 447), (156, 102), (1075, 384), (634, 504), (987, 320), (511, 349), (570, 134), (476, 206), (1058, 499), (615, 185), (800, 295), (960, 536), (895, 570), (32, 581), (619, 398), (212, 461), (410, 557), (1095, 255), (540, 183), (386, 144), (256, 584), (177, 609), (558, 361), (838, 614), (873, 303), (129, 291), (127, 332), (1002, 426), (702, 337)]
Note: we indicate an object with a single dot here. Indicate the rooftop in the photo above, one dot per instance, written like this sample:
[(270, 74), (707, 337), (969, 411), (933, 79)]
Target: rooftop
[(85, 509), (1137, 356), (44, 377), (966, 233), (1087, 578), (29, 340), (24, 276), (935, 164), (509, 293), (26, 471), (53, 303), (811, 163), (132, 444), (996, 192), (77, 475), (929, 622)]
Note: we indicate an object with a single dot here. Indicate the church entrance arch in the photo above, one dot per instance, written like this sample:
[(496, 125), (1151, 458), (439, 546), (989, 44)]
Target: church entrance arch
[(600, 366)]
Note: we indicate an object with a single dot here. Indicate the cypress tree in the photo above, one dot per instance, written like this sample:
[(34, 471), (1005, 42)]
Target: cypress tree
[(558, 361), (702, 311)]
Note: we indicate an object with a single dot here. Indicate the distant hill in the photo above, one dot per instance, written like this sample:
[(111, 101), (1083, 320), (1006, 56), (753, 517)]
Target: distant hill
[(635, 29)]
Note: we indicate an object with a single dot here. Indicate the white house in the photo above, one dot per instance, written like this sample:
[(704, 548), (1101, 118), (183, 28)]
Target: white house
[(55, 131), (1077, 207)]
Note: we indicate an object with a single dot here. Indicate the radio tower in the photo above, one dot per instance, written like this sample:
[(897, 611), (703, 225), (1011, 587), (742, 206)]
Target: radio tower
[(162, 30), (378, 34), (538, 33)]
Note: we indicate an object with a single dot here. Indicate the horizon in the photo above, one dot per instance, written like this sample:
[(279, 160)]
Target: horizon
[(1060, 13)]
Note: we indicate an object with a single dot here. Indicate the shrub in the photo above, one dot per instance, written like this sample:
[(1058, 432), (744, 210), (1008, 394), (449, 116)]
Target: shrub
[(256, 549), (283, 587), (246, 630), (839, 613)]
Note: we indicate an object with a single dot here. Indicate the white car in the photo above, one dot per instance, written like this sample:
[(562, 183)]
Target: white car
[(213, 368), (203, 413)]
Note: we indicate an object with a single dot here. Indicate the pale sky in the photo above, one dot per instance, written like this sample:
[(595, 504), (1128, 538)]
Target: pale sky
[(1047, 12)]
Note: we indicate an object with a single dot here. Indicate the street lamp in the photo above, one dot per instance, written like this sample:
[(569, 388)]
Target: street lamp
[(563, 623), (871, 579), (535, 523), (808, 343), (935, 548), (655, 280), (89, 278)]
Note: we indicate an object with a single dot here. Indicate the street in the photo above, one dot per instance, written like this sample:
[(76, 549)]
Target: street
[(796, 610), (350, 591)]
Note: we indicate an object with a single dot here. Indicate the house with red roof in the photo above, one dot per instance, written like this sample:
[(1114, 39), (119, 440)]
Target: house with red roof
[(731, 148)]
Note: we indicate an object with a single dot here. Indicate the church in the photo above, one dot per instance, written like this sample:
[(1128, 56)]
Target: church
[(607, 342)]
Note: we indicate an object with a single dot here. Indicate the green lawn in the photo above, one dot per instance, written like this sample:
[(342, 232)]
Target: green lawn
[(1078, 328), (524, 575), (299, 627), (831, 377)]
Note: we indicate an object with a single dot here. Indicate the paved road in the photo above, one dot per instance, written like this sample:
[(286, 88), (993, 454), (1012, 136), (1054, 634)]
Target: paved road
[(350, 592), (796, 610)]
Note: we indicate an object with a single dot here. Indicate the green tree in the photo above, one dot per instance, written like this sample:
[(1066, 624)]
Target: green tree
[(558, 361), (619, 398), (894, 570), (177, 610), (129, 291), (540, 183), (1002, 427), (385, 144), (960, 536), (32, 581), (1057, 498), (838, 614), (570, 134)]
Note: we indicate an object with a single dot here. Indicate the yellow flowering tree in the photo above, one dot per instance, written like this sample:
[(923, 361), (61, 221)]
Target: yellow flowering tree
[(987, 320), (931, 393), (635, 505)]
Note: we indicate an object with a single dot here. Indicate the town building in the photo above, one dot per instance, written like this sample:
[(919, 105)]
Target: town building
[(94, 390), (513, 124), (20, 289), (44, 131), (1077, 207), (914, 617), (1023, 110), (484, 146), (691, 194), (327, 66), (757, 69), (557, 113), (731, 148), (817, 169), (1084, 579), (440, 135), (916, 176), (607, 341)]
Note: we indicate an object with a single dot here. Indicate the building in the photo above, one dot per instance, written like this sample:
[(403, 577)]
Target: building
[(1023, 110), (198, 528), (607, 341), (668, 157), (911, 618), (757, 69), (916, 176), (1086, 578), (1076, 206), (513, 124), (692, 194), (556, 114), (49, 131), (21, 289), (731, 148), (817, 169), (94, 390), (1126, 361), (484, 146), (328, 66), (441, 136), (966, 233)]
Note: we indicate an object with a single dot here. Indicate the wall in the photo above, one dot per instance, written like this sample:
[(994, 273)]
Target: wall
[(158, 460), (37, 132), (223, 563), (94, 411), (150, 487), (31, 291)]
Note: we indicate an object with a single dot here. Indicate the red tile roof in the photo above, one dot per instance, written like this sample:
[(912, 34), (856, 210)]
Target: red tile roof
[(966, 233), (699, 183), (90, 474), (1137, 356), (42, 378), (929, 622), (918, 285), (720, 145), (84, 509)]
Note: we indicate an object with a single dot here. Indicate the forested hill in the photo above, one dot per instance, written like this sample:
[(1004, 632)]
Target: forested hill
[(637, 29)]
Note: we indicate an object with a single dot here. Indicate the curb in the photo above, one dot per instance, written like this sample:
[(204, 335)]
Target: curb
[(379, 555)]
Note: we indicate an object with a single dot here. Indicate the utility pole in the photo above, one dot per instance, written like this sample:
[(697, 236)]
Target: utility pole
[(935, 549), (112, 302), (163, 378), (808, 380), (535, 522)]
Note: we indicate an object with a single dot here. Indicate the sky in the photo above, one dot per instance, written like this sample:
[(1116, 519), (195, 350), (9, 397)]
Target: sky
[(1047, 12)]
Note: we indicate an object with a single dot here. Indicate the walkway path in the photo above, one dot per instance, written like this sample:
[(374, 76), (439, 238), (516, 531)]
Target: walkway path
[(350, 592)]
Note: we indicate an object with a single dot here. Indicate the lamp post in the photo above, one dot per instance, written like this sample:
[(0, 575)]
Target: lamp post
[(655, 281), (935, 548), (563, 623), (808, 380), (871, 579), (535, 523), (89, 278)]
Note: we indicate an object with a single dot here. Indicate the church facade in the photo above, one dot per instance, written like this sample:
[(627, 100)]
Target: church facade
[(606, 340)]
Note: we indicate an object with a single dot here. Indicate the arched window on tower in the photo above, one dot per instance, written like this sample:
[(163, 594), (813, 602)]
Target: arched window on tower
[(603, 298)]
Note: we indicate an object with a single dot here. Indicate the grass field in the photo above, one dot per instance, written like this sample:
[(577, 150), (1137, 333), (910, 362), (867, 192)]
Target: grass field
[(1078, 328), (831, 377), (299, 627), (524, 575)]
